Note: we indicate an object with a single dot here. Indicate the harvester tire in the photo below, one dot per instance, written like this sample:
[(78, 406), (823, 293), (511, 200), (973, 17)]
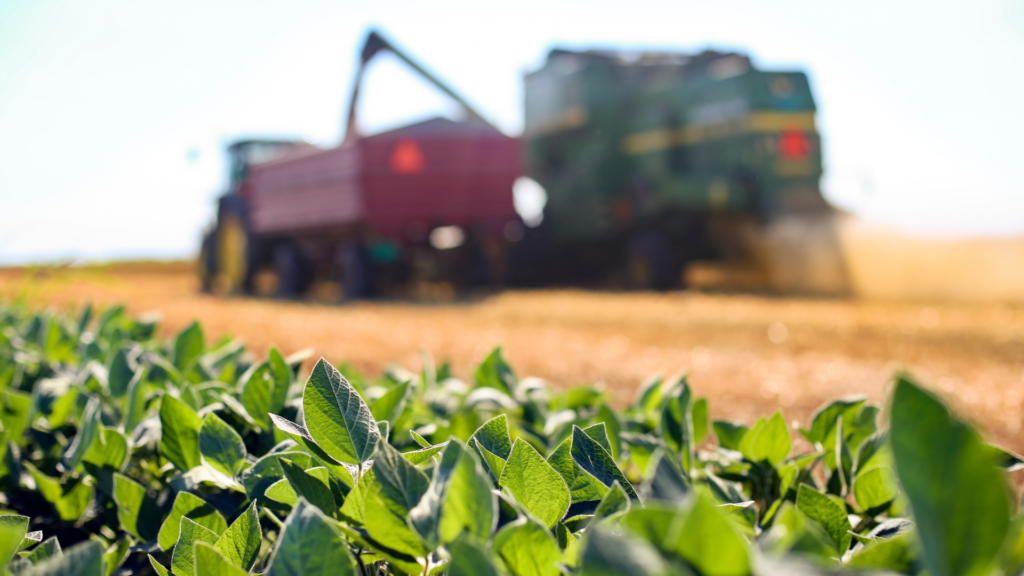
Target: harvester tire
[(290, 268), (649, 263)]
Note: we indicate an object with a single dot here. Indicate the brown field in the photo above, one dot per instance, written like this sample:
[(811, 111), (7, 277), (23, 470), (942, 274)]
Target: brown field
[(973, 354)]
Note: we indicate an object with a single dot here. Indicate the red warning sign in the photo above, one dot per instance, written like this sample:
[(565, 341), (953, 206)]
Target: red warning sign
[(407, 158)]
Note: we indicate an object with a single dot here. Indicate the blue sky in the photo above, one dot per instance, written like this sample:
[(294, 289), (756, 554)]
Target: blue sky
[(114, 114)]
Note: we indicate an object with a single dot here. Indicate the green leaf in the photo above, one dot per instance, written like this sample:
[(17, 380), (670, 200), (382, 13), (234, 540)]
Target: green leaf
[(960, 499), (599, 432), (527, 549), (494, 372), (580, 488), (896, 554), (240, 543), (336, 416), (138, 514), (769, 442), (470, 559), (116, 554), (389, 406), (608, 554), (708, 542), (825, 418), (309, 545), (459, 500), (535, 484), (209, 561), (344, 472), (221, 446), (257, 478), (188, 346), (46, 549), (700, 420), (193, 507), (110, 450), (182, 558), (86, 434), (875, 487), (613, 502), (135, 405), (70, 499), (282, 380), (398, 488), (30, 540), (421, 456), (315, 490), (593, 459), (157, 567), (85, 559), (12, 531), (729, 434), (257, 385), (14, 413), (826, 512), (119, 374), (494, 437), (179, 439)]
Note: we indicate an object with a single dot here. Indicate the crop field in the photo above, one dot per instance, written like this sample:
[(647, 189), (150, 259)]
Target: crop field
[(748, 354), (124, 452)]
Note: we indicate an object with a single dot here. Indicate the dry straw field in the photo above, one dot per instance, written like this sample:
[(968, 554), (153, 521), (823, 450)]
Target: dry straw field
[(747, 354)]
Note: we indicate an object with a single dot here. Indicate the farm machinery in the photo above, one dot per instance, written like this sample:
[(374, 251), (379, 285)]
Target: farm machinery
[(659, 169)]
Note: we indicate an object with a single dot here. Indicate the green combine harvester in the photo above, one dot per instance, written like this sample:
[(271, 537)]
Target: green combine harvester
[(663, 169)]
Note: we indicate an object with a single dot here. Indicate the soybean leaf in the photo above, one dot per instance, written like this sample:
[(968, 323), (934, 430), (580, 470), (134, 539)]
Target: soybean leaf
[(282, 380), (708, 542), (257, 478), (190, 506), (959, 498), (344, 472), (86, 434), (240, 543), (875, 487), (397, 489), (493, 437), (826, 512), (535, 484), (119, 374), (309, 545), (209, 561), (69, 499), (459, 500), (116, 554), (336, 416), (188, 346), (138, 514), (182, 558), (108, 454), (769, 442), (608, 554), (135, 404), (47, 549), (580, 489), (221, 446), (315, 490), (700, 420), (729, 434), (614, 501), (85, 559), (157, 567), (389, 406), (494, 372), (179, 438), (421, 456), (470, 559), (596, 461), (258, 387), (613, 427), (12, 531), (527, 549), (896, 554)]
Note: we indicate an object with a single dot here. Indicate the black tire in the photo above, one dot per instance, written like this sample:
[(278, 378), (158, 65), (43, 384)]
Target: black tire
[(354, 272), (649, 263), (290, 268)]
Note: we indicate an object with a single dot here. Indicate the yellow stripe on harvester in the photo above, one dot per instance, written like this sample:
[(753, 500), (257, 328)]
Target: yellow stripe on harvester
[(754, 123)]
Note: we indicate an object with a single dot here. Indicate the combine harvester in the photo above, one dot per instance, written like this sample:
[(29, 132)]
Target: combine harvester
[(660, 170)]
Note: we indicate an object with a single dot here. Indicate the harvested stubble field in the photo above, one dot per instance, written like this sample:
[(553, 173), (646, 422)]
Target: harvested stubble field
[(748, 354)]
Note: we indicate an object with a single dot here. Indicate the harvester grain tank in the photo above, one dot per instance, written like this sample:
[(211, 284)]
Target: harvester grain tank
[(660, 169), (656, 164)]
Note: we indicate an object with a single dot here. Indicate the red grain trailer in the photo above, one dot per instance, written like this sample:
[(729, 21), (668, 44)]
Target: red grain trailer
[(431, 201)]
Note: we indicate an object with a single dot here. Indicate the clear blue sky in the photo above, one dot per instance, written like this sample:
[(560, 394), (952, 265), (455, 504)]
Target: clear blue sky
[(113, 114)]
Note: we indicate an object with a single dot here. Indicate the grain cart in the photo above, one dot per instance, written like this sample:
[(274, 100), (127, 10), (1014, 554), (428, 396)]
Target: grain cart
[(431, 202), (664, 168)]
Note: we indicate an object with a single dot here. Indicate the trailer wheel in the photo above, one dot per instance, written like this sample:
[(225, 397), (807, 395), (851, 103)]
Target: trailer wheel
[(232, 255), (649, 263), (291, 276)]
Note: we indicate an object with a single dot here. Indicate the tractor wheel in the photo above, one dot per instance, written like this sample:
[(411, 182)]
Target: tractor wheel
[(291, 273), (205, 264), (232, 256)]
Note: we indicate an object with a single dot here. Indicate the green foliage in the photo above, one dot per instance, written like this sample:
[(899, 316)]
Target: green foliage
[(182, 457)]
